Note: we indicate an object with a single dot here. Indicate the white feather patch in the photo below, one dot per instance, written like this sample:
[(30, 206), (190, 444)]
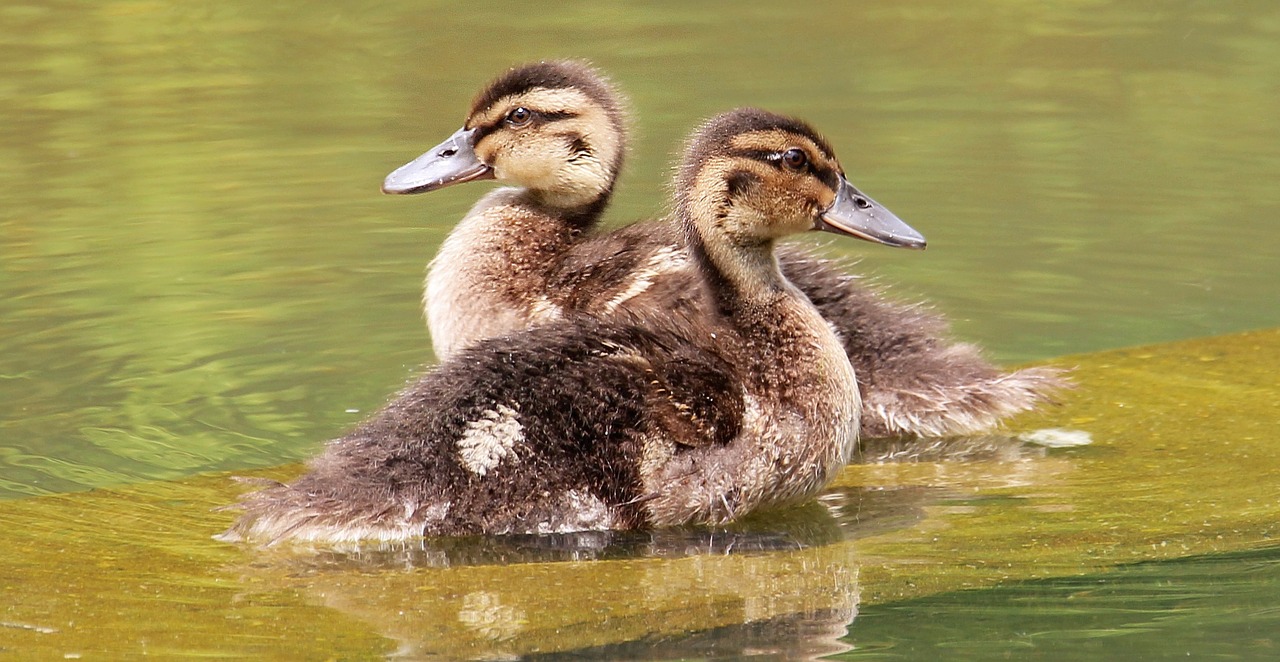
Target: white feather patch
[(490, 439)]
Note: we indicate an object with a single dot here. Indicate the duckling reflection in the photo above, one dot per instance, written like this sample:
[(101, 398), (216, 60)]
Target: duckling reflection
[(801, 600), (785, 582), (532, 254), (746, 405)]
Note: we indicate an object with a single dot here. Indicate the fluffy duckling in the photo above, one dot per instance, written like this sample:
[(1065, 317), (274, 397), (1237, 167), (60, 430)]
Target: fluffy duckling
[(532, 254), (587, 424)]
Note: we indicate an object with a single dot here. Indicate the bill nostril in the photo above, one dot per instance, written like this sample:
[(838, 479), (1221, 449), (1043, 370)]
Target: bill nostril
[(862, 203), (448, 152)]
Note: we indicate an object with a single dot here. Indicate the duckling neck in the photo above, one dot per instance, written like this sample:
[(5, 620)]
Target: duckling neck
[(741, 276), (580, 210), (748, 289), (489, 277)]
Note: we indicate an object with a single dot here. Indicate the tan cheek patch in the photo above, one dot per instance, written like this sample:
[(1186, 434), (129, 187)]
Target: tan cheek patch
[(787, 209), (534, 161), (487, 148), (778, 206), (822, 194), (785, 202), (594, 125)]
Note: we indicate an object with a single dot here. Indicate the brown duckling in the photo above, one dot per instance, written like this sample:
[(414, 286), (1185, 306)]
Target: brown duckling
[(532, 253), (588, 424)]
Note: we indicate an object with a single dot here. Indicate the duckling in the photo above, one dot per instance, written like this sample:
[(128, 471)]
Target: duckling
[(588, 424), (532, 253)]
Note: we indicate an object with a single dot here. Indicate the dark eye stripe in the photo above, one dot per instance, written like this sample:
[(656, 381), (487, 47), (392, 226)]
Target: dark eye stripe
[(758, 154), (482, 131), (825, 174), (538, 116)]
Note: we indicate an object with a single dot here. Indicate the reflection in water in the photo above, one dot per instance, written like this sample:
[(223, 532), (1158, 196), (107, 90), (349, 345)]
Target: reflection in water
[(792, 601), (780, 584)]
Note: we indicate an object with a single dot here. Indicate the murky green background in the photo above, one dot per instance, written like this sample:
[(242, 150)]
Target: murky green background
[(197, 271)]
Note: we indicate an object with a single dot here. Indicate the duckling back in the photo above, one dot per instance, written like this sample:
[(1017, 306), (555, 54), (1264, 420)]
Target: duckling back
[(532, 433)]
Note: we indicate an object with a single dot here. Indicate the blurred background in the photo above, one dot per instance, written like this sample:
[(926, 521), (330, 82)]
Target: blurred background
[(198, 272)]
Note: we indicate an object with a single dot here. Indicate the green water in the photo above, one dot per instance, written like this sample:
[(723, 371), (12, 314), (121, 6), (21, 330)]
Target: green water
[(1220, 607), (197, 272)]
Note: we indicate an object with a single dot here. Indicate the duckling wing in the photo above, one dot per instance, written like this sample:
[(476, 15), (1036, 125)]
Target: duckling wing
[(696, 398), (609, 273), (595, 268)]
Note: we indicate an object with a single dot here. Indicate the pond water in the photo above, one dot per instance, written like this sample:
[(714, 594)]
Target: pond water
[(197, 274)]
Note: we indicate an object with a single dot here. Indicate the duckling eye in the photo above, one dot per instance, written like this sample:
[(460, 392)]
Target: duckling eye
[(795, 159), (519, 117)]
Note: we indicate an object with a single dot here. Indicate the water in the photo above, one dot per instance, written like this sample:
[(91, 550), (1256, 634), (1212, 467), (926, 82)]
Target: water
[(1221, 606), (197, 272)]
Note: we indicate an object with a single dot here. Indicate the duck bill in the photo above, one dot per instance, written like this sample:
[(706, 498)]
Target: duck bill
[(451, 162), (857, 215)]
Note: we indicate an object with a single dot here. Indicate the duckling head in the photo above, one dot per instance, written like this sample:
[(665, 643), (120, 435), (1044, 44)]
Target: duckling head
[(750, 177), (556, 128)]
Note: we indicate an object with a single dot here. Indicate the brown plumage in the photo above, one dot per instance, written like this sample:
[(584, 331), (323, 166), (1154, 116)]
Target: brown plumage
[(582, 424), (532, 254)]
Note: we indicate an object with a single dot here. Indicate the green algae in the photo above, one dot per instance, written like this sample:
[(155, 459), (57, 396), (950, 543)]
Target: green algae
[(1183, 462)]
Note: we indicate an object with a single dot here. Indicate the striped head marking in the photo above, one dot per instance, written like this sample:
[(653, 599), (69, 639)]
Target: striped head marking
[(556, 128), (754, 176)]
